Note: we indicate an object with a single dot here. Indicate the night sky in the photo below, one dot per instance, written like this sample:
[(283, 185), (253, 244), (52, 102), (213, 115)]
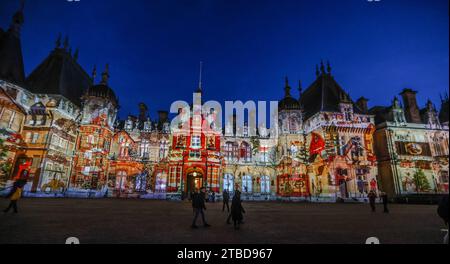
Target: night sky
[(154, 47)]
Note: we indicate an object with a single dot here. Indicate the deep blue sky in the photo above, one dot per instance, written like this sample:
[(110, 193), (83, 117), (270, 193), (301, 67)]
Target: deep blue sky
[(154, 46)]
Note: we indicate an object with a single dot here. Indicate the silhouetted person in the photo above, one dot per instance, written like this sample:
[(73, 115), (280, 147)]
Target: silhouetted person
[(226, 200), (385, 199), (198, 204), (237, 210), (213, 197), (15, 194), (372, 196), (443, 213)]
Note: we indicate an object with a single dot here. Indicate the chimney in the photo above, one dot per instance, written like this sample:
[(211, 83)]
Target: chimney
[(143, 112), (362, 104), (163, 116), (412, 112)]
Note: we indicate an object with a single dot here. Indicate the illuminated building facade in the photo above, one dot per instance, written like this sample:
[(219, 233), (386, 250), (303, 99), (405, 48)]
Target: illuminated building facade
[(412, 146), (63, 129)]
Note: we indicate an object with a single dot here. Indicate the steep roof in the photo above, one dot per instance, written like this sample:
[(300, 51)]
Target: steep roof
[(11, 60), (60, 74), (324, 94)]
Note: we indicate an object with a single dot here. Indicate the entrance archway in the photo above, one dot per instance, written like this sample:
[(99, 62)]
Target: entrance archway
[(194, 180)]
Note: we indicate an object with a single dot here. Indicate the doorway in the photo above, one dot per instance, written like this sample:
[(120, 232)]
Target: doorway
[(194, 181)]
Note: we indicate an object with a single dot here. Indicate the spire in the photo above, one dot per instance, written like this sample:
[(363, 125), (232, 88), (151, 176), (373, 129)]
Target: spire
[(300, 88), (322, 67), (66, 42), (17, 20), (105, 75), (58, 41), (328, 67), (429, 104), (199, 89), (94, 73), (287, 88), (317, 71)]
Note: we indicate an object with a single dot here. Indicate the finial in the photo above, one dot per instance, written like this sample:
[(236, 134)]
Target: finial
[(328, 67), (94, 73), (105, 74), (75, 55), (322, 67), (300, 88), (17, 20), (22, 5), (66, 42), (287, 88), (58, 41), (199, 89)]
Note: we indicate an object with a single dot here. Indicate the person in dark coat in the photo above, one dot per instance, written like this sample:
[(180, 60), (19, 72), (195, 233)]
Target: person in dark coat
[(372, 196), (226, 200), (237, 210), (385, 199), (16, 193), (198, 205), (443, 213)]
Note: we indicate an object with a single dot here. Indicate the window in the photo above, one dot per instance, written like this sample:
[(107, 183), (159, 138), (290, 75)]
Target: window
[(265, 184), (6, 117), (247, 184), (28, 137), (231, 151), (196, 142), (245, 152), (163, 149), (194, 154), (144, 149), (141, 182), (161, 182), (228, 182), (36, 161), (35, 138), (121, 180), (264, 153), (16, 122)]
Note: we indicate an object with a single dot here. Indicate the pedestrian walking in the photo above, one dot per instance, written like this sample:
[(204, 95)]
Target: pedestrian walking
[(443, 213), (372, 196), (385, 199), (14, 195), (226, 200), (198, 205), (237, 210), (213, 197)]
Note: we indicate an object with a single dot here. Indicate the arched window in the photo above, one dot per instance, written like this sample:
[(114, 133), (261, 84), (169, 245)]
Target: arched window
[(265, 184), (245, 152), (228, 182), (247, 184), (161, 182)]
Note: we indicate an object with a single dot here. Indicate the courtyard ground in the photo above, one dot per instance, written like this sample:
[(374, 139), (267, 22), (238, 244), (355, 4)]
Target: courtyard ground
[(151, 221)]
